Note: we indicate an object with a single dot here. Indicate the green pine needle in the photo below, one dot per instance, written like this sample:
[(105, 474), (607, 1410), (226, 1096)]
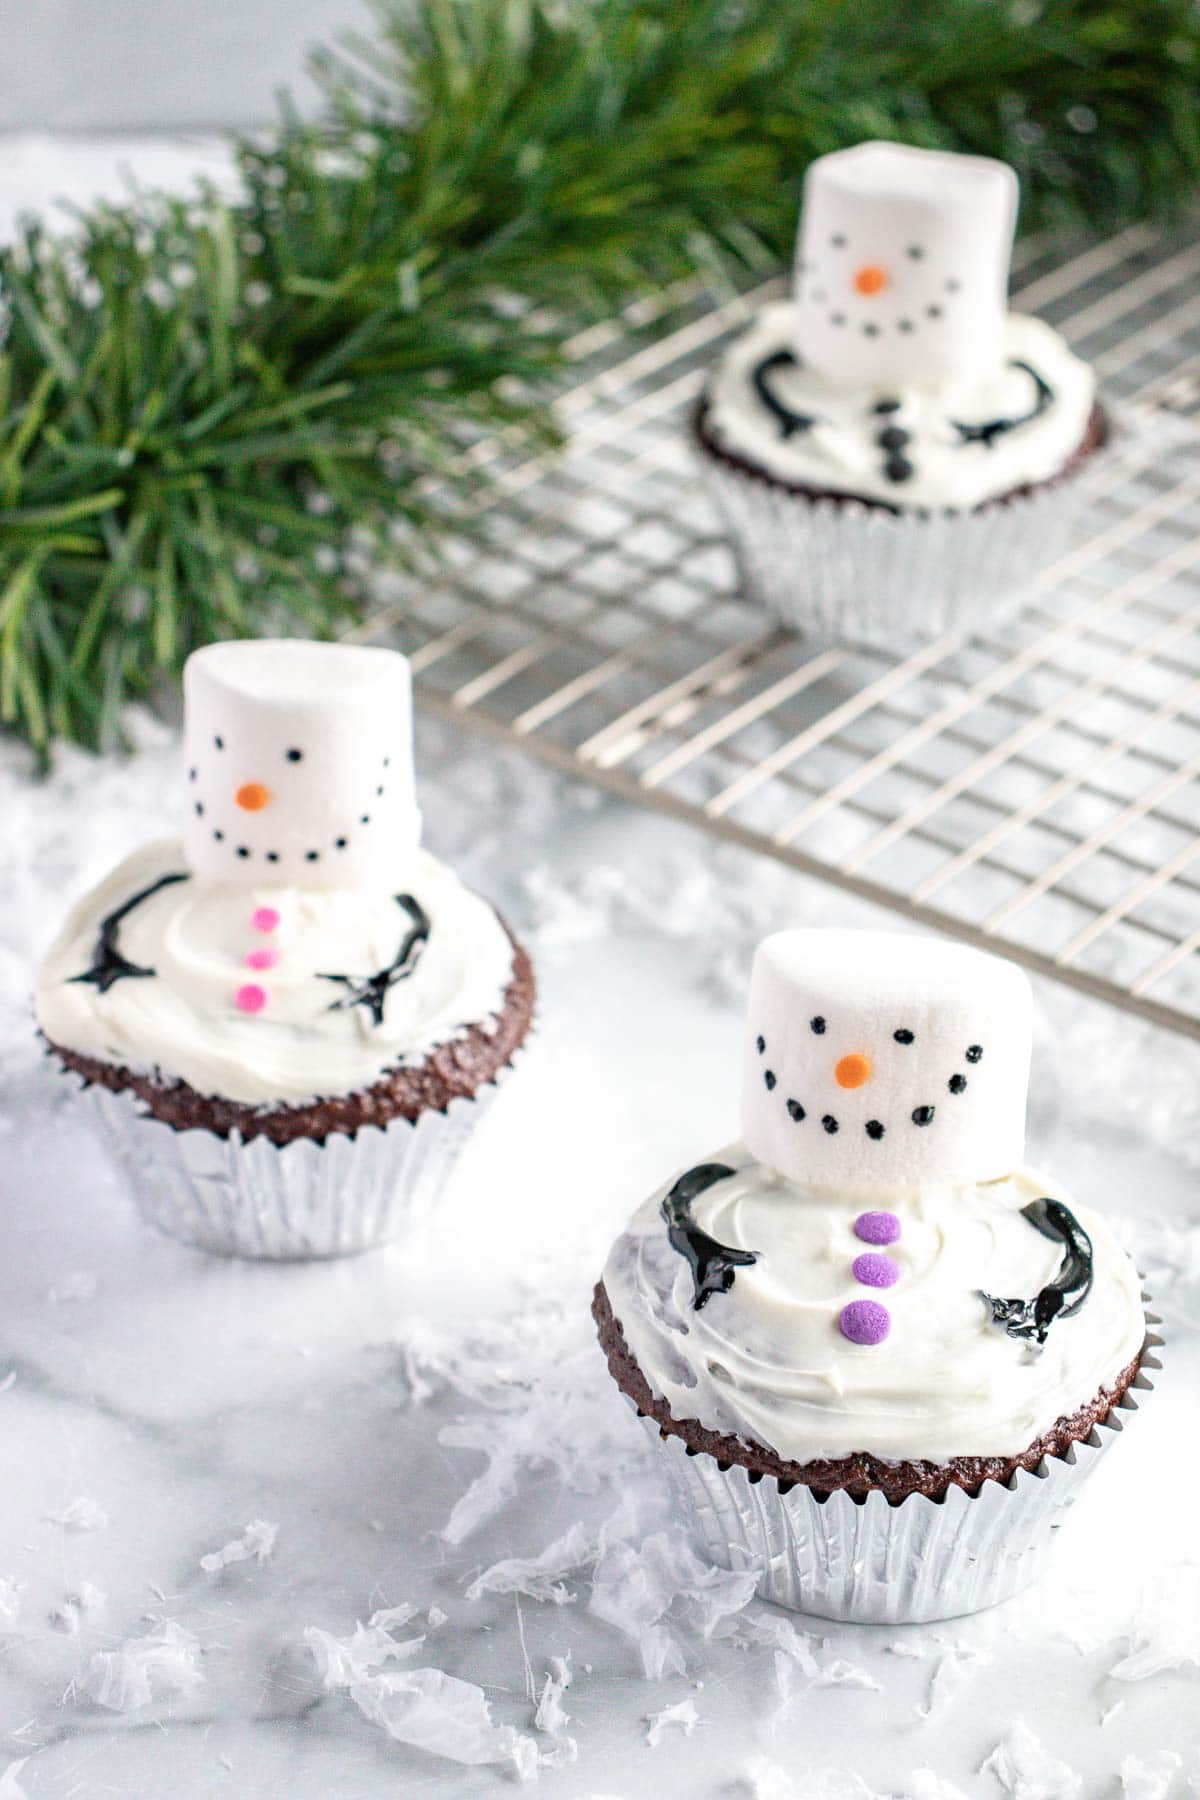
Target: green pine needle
[(214, 416)]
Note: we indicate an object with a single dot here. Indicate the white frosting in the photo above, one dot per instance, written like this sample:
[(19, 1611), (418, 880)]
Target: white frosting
[(766, 1362), (902, 265), (840, 453), (834, 1099), (300, 768), (185, 1022)]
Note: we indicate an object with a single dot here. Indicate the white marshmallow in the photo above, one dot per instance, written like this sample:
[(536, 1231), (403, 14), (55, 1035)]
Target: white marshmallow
[(902, 264), (833, 1097), (299, 765)]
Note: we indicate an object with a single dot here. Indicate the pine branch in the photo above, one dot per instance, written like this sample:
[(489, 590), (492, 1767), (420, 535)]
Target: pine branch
[(216, 418)]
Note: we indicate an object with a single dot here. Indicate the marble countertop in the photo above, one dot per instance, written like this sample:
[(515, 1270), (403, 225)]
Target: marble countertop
[(431, 1428)]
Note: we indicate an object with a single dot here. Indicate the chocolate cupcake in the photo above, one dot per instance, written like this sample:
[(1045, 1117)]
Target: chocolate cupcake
[(897, 454), (291, 1021), (879, 1351)]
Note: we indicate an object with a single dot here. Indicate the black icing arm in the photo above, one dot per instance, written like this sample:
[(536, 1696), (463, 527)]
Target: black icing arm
[(987, 434), (713, 1265), (108, 964), (1060, 1298), (371, 991), (789, 422)]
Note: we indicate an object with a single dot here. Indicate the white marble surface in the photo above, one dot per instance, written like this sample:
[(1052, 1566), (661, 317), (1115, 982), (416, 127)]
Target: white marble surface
[(412, 1418), (187, 1396)]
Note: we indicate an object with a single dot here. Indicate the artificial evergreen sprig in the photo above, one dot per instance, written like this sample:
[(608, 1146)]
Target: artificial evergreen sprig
[(215, 416)]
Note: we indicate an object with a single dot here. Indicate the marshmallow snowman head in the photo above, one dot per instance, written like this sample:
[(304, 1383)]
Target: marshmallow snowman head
[(299, 765), (902, 264), (878, 1060)]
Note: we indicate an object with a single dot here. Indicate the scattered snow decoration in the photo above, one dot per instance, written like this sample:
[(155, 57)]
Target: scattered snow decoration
[(435, 1618), (258, 1540), (1026, 1770), (923, 1784), (1151, 1779), (10, 1787), (633, 1588), (81, 1515), (801, 1662), (10, 1600), (426, 1708), (162, 1662), (550, 1716), (683, 1714), (1166, 1630), (540, 1577), (950, 1676), (767, 1781)]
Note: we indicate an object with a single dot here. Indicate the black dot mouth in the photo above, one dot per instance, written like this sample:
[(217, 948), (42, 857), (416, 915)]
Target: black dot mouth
[(957, 1084), (874, 1129), (923, 1115), (796, 1112), (769, 1079), (830, 1124)]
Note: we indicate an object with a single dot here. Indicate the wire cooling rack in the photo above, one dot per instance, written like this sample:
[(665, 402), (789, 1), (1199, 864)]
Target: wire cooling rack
[(1033, 788)]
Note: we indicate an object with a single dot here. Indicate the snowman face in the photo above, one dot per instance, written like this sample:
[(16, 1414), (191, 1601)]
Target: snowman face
[(298, 760), (875, 1060), (902, 265)]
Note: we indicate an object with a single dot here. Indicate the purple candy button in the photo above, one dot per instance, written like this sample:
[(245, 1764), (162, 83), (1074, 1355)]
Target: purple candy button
[(877, 1227), (874, 1270), (865, 1322)]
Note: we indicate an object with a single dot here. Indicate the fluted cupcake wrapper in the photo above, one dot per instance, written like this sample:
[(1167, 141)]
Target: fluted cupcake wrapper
[(302, 1200), (844, 571), (874, 1563)]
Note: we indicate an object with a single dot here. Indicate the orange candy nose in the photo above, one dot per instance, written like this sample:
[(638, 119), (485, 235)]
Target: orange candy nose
[(252, 796), (870, 279), (851, 1071)]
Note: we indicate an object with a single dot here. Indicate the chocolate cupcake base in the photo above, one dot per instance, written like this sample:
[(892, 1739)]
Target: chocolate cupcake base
[(839, 568), (862, 1539), (333, 1178)]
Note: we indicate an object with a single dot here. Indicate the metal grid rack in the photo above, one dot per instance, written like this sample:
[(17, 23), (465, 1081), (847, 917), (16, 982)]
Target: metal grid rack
[(1033, 788)]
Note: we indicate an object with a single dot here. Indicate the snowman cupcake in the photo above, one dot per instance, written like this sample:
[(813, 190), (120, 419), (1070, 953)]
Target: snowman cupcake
[(291, 1021), (879, 1350), (896, 454)]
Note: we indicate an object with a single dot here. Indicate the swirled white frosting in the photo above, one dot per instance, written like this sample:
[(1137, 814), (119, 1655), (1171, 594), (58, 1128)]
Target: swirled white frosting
[(184, 1022), (767, 1363), (840, 452)]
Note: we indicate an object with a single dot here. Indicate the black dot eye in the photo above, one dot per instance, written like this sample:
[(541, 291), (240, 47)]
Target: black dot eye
[(818, 1025), (295, 755), (957, 1084), (340, 843), (769, 1079), (219, 742), (795, 1111), (830, 1123), (219, 837), (366, 819), (760, 1044), (923, 1115), (874, 1129), (974, 1052), (242, 850), (312, 856), (903, 1036), (272, 856)]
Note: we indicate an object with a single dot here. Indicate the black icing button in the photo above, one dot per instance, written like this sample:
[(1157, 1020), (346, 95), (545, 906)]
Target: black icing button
[(898, 468), (886, 406), (893, 437)]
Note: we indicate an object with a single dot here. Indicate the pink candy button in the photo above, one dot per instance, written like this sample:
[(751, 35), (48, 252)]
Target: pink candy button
[(251, 998), (265, 919), (261, 959)]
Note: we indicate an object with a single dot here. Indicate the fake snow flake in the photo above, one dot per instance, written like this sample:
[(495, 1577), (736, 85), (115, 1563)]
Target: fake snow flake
[(142, 1669), (82, 1515), (550, 1716), (426, 1708), (634, 1588), (950, 1676), (10, 1600), (683, 1714), (1149, 1780), (923, 1784), (1026, 1770), (1166, 1631), (258, 1541), (765, 1780), (10, 1787), (539, 1577)]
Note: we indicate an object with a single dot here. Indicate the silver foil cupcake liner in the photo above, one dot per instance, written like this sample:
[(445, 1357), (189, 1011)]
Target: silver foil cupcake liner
[(873, 1563), (302, 1200), (843, 571)]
